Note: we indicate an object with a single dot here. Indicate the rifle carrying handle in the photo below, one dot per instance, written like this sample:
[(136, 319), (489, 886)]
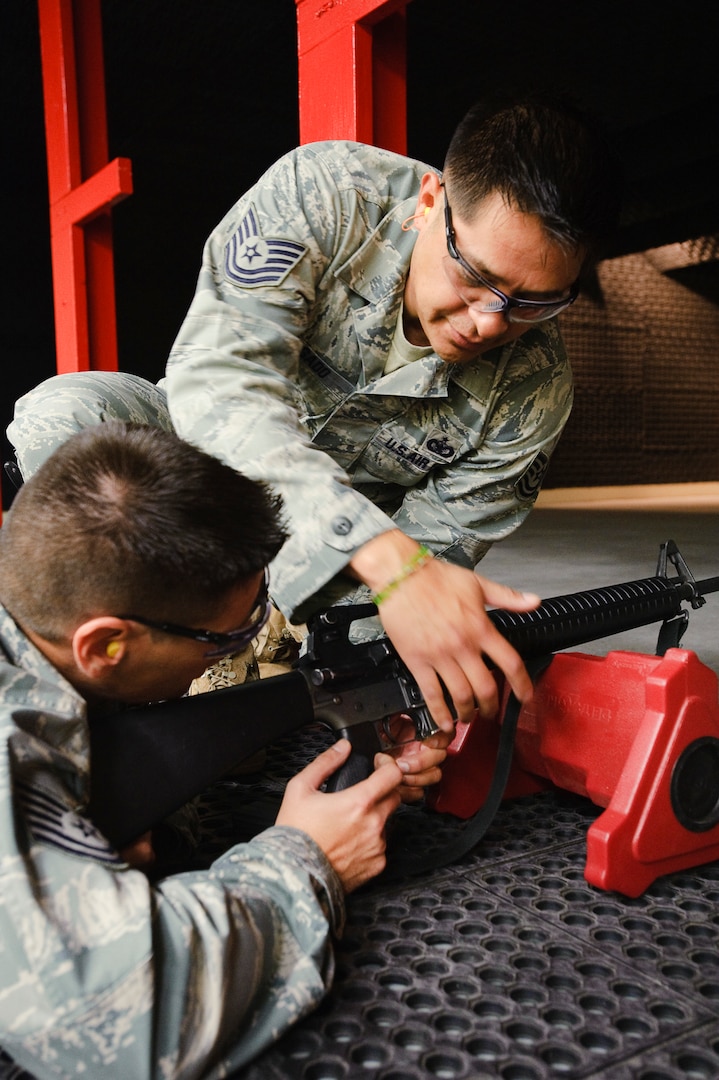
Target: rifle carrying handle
[(360, 764)]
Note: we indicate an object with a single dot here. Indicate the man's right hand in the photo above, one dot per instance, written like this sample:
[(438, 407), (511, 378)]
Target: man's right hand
[(348, 825), (437, 620)]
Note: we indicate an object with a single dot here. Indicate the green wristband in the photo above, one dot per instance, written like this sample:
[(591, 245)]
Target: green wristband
[(418, 560)]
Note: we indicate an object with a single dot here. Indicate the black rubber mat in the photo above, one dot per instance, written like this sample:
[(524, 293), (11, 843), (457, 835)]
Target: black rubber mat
[(512, 966), (508, 964)]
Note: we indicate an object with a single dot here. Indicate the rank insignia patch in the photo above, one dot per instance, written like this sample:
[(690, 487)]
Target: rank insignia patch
[(51, 822), (441, 447), (252, 260), (531, 479)]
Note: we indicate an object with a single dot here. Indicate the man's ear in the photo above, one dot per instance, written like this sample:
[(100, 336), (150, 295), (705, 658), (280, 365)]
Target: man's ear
[(429, 192), (99, 645)]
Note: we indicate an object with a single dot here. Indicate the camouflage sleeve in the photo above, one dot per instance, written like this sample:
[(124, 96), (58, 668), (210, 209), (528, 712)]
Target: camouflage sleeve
[(461, 510), (262, 919), (191, 978), (232, 375)]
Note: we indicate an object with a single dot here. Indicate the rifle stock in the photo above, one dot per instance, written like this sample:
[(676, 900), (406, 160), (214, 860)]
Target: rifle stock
[(148, 761)]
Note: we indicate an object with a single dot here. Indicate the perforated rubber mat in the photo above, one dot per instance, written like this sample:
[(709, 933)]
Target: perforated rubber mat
[(508, 964)]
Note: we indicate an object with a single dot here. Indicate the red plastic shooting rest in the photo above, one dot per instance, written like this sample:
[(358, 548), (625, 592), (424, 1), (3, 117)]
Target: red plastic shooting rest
[(636, 734)]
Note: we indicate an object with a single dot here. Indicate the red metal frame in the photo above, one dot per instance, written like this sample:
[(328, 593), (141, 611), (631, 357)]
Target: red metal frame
[(83, 185), (352, 85), (352, 71)]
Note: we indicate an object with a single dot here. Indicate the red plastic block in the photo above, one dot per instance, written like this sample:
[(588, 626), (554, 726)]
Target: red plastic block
[(636, 734)]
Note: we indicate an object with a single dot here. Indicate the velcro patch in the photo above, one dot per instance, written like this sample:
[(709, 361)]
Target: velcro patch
[(529, 483), (252, 260), (441, 447)]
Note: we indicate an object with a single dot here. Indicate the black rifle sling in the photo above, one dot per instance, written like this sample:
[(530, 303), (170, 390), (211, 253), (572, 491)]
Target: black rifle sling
[(403, 861)]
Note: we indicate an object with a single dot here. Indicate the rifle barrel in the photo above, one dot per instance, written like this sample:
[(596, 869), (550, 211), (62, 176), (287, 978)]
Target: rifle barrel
[(707, 585)]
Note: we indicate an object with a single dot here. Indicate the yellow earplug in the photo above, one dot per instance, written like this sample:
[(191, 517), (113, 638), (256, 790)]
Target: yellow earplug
[(113, 648), (427, 210)]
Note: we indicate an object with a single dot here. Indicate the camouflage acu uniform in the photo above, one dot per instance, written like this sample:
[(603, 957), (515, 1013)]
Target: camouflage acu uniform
[(104, 973), (279, 369)]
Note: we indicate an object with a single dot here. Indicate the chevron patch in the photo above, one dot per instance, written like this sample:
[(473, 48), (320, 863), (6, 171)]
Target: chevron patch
[(252, 260), (531, 479), (51, 822)]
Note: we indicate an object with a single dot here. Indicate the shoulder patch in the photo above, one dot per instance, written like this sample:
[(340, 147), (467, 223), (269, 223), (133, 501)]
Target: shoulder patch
[(51, 822), (529, 483), (252, 260)]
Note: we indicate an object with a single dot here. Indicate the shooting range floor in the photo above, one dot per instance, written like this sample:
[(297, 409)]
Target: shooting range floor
[(509, 964)]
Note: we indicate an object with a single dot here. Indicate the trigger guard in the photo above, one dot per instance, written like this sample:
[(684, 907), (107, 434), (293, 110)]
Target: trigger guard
[(388, 734), (424, 727)]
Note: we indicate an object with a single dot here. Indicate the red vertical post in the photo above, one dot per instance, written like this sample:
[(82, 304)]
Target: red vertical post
[(83, 185), (352, 71)]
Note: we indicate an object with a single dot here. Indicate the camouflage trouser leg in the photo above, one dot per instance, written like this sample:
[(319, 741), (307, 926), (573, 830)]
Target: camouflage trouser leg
[(273, 652), (64, 404)]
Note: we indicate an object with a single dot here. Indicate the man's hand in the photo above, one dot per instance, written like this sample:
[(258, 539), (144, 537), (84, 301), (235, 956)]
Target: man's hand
[(140, 854), (436, 619), (419, 761), (348, 825)]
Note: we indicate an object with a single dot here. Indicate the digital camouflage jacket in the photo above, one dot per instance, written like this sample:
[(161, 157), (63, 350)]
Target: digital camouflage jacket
[(279, 369), (102, 972)]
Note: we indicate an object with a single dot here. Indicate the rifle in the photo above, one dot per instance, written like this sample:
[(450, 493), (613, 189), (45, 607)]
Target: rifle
[(147, 761)]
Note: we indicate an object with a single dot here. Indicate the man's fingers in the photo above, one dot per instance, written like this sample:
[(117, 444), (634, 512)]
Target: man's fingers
[(506, 658), (470, 685), (431, 775), (465, 646), (504, 596), (326, 763), (410, 795), (385, 779), (431, 690), (388, 774)]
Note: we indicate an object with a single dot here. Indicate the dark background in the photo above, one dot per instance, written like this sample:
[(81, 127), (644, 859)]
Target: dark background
[(203, 97)]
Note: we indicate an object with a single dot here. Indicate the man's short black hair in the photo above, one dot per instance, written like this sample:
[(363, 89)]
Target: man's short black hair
[(124, 517), (547, 156)]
